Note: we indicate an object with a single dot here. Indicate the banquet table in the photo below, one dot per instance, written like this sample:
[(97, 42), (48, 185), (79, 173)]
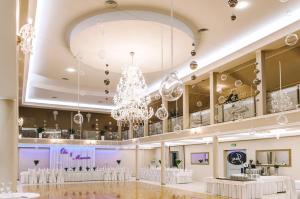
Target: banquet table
[(19, 195), (259, 188)]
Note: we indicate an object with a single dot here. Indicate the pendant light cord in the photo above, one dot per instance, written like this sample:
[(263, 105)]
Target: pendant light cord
[(280, 80), (172, 30), (78, 85)]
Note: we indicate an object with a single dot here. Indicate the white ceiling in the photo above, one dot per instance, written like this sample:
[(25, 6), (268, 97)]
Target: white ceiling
[(54, 49)]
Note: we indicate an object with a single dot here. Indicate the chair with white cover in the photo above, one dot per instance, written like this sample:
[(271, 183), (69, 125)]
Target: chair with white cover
[(60, 177), (52, 177), (42, 176), (32, 176)]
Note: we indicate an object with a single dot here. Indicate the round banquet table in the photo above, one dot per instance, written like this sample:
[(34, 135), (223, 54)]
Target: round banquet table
[(19, 195)]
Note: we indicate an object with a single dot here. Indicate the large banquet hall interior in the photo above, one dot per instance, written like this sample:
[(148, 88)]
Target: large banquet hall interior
[(150, 99)]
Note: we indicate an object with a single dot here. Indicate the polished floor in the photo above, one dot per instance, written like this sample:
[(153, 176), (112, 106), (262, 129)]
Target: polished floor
[(112, 190)]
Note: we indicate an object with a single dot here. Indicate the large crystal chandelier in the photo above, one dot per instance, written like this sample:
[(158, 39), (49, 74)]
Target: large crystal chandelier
[(130, 100)]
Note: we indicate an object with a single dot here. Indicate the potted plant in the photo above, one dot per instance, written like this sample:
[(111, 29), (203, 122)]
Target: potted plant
[(276, 167), (102, 134), (40, 130), (71, 132), (177, 163)]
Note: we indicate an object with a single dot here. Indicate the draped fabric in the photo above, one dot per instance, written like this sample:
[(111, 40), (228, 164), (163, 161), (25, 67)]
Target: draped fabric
[(69, 157)]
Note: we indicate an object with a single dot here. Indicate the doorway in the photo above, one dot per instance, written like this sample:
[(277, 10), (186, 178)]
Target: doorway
[(234, 161), (173, 158)]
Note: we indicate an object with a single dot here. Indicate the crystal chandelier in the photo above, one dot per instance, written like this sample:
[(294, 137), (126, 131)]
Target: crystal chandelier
[(130, 101), (26, 37)]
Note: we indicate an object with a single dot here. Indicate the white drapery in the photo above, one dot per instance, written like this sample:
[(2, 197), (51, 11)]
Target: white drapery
[(69, 157)]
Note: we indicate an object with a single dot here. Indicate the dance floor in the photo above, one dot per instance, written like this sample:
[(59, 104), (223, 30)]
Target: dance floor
[(112, 190)]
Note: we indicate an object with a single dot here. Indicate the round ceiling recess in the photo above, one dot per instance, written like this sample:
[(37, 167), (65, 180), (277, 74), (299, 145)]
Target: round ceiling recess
[(109, 37)]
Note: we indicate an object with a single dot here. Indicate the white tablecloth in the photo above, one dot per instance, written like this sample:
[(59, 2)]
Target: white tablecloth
[(264, 186), (19, 195)]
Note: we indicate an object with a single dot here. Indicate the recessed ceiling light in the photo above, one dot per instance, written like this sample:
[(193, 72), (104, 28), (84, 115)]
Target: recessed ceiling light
[(53, 97), (64, 78), (70, 70), (242, 5)]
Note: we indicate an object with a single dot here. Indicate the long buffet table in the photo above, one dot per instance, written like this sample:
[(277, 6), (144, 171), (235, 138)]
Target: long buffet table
[(259, 188)]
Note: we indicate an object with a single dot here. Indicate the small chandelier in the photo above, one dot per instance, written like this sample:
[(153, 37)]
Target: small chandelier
[(26, 37), (130, 101)]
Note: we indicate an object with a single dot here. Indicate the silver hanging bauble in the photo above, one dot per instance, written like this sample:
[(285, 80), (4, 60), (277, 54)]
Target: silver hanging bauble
[(78, 118), (199, 104), (282, 119), (171, 88), (193, 65), (162, 113), (177, 128), (256, 81)]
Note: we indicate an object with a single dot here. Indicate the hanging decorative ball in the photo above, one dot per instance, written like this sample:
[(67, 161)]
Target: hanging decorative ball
[(193, 77), (193, 65), (135, 127), (106, 72), (233, 17), (177, 128), (109, 123), (221, 99), (106, 82), (291, 39), (232, 3), (199, 104), (282, 119), (256, 71), (256, 92), (78, 118), (238, 83), (171, 88), (162, 113), (224, 77), (157, 96), (106, 91), (193, 52), (106, 65), (256, 81)]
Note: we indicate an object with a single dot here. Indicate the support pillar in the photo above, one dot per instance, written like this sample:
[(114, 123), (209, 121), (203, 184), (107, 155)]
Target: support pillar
[(163, 163), (8, 94), (120, 130), (137, 162), (213, 96), (215, 157), (146, 128), (165, 121), (130, 132), (186, 107), (261, 98)]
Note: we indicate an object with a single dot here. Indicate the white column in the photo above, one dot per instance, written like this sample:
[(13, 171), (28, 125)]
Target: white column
[(130, 132), (213, 96), (137, 162), (261, 98), (120, 131), (163, 163), (8, 94), (215, 157), (186, 107), (165, 122), (146, 128)]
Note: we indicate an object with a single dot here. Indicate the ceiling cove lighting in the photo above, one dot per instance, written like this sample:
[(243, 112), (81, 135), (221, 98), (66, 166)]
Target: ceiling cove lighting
[(242, 5), (71, 70), (257, 34)]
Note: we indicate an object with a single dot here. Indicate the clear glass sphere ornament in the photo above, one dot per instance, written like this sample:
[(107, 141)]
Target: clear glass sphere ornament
[(199, 104), (238, 83), (135, 127), (223, 77), (162, 113), (177, 128), (221, 99), (171, 88), (78, 118), (282, 119), (157, 96), (291, 39)]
